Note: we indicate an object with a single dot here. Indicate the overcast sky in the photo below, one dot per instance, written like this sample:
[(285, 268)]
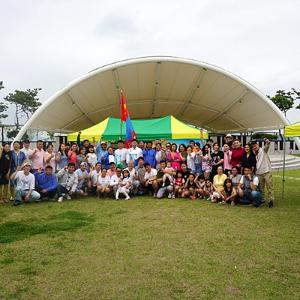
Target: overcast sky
[(47, 44)]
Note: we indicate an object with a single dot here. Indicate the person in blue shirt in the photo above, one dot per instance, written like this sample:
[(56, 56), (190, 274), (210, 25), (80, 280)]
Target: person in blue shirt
[(149, 155), (108, 158), (101, 151), (46, 182), (17, 157)]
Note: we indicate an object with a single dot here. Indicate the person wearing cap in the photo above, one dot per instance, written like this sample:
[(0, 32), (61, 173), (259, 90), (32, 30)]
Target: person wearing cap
[(25, 185), (101, 151), (25, 149), (229, 140), (46, 182), (264, 170)]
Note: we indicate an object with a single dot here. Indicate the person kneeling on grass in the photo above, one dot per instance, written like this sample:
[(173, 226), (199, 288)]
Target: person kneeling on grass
[(150, 179), (249, 188), (67, 182), (124, 185), (25, 183), (46, 183), (83, 179), (219, 180), (229, 193), (190, 188), (103, 187)]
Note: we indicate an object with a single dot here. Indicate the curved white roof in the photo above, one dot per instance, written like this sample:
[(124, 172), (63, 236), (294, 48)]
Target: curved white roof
[(192, 91)]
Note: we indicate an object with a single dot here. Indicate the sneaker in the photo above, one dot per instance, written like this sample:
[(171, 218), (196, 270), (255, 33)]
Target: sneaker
[(127, 198), (16, 203), (271, 204), (170, 196), (154, 195), (208, 199), (232, 203), (60, 199), (68, 197), (222, 202), (173, 196)]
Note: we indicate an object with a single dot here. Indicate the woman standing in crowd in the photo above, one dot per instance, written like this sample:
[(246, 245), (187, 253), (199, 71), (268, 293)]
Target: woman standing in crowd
[(61, 157), (49, 157), (160, 155), (248, 159), (237, 153), (206, 159), (81, 157), (217, 158), (227, 158), (72, 154), (190, 159), (174, 157), (182, 152), (198, 159), (5, 161)]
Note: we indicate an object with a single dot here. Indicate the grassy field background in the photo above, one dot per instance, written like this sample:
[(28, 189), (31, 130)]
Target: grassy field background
[(152, 249)]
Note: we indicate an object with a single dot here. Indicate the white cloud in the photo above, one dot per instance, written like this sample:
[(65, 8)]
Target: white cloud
[(49, 43)]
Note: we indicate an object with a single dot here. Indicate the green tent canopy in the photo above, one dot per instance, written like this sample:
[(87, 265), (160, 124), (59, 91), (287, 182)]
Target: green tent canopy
[(166, 128)]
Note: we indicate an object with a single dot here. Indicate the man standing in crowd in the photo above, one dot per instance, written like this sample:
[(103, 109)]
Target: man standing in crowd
[(264, 170), (149, 155), (25, 184), (67, 182), (134, 152), (120, 154), (37, 156), (46, 182), (101, 151), (94, 174), (26, 150)]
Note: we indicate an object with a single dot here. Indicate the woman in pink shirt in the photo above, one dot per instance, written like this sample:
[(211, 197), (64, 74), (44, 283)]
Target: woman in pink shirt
[(72, 154), (174, 157), (227, 158), (237, 153)]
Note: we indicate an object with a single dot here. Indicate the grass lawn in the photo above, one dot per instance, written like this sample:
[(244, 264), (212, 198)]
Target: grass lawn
[(152, 249)]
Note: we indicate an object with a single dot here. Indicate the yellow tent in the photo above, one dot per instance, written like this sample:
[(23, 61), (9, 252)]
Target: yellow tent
[(292, 130)]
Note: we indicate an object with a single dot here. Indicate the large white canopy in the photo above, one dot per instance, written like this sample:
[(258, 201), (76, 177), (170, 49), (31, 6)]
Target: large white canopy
[(192, 91)]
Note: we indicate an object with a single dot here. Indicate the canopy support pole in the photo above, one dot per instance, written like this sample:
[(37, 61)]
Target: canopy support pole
[(283, 169)]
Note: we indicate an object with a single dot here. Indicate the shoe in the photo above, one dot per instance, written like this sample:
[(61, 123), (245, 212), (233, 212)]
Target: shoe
[(232, 203), (68, 197), (170, 196), (173, 196), (60, 199), (154, 195), (271, 204), (208, 199), (127, 198), (222, 202), (16, 203)]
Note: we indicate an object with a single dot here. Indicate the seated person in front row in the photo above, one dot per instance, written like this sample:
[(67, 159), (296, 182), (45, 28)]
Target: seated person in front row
[(190, 188), (67, 182), (103, 184), (83, 178), (46, 182), (168, 188), (150, 182), (25, 183), (249, 188), (94, 174), (179, 184), (124, 185), (229, 193)]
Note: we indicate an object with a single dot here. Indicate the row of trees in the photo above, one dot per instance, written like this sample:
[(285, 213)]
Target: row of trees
[(25, 103)]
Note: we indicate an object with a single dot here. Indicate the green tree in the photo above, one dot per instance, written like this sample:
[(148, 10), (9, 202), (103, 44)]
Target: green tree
[(3, 108), (25, 103), (285, 100)]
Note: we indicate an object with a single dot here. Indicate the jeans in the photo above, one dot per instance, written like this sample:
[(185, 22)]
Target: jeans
[(22, 193), (253, 197), (161, 192), (49, 194)]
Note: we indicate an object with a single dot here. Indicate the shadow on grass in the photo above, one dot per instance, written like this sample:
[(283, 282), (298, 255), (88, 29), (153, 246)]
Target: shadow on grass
[(66, 221)]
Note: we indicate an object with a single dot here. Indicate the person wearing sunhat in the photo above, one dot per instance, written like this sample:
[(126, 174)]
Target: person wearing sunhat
[(25, 185), (229, 140)]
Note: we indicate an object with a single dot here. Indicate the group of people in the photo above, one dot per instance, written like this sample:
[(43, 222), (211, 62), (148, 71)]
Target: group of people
[(232, 174)]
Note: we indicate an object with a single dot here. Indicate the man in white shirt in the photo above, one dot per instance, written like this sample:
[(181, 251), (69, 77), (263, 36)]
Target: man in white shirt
[(134, 153), (150, 182), (26, 150), (264, 170), (82, 174), (121, 154), (134, 177), (25, 184)]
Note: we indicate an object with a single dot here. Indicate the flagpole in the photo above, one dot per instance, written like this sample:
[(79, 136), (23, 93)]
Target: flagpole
[(121, 114)]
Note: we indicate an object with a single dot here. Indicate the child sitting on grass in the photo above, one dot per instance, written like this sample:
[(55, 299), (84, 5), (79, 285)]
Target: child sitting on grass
[(190, 188), (200, 182), (229, 193), (179, 184), (208, 190)]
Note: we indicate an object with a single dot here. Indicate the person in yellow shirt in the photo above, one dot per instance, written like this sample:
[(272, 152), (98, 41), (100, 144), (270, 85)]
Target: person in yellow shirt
[(218, 183)]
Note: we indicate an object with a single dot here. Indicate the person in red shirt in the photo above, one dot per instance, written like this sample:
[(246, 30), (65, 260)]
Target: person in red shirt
[(237, 153), (72, 154)]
